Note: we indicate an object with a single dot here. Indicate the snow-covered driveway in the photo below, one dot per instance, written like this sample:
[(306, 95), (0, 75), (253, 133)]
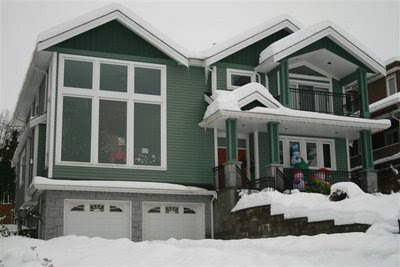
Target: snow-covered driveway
[(351, 249)]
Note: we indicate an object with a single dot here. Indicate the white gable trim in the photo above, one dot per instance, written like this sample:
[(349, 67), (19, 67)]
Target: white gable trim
[(115, 14), (225, 49), (256, 96), (284, 48)]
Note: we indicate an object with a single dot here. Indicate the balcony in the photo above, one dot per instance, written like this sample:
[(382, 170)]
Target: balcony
[(324, 102)]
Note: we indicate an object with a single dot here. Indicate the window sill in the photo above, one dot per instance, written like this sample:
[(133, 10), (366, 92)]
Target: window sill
[(110, 165)]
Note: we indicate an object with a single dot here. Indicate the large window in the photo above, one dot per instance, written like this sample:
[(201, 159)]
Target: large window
[(316, 152), (119, 120)]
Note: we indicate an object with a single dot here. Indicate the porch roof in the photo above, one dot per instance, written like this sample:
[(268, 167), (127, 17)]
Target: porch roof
[(228, 104)]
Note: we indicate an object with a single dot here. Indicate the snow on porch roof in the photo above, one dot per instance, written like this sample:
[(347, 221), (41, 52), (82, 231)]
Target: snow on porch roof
[(42, 183), (304, 37), (228, 104)]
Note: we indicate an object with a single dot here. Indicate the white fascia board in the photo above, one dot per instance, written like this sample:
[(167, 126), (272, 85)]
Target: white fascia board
[(222, 52), (374, 125), (284, 48), (170, 49), (91, 188), (42, 119), (21, 145)]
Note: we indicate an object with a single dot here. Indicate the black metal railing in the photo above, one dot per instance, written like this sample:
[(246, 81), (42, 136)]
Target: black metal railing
[(324, 102), (299, 179)]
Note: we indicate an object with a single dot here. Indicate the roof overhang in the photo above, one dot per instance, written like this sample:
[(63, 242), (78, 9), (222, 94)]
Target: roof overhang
[(249, 37), (296, 123), (41, 184), (106, 14), (285, 47)]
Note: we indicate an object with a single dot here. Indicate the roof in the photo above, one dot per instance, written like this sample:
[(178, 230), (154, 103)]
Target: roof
[(42, 183), (385, 102), (304, 37)]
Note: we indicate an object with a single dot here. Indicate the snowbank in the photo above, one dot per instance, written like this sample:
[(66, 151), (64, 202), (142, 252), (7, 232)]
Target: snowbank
[(351, 189), (350, 249), (358, 208)]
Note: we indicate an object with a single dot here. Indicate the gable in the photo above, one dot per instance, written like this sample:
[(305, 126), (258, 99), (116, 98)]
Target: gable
[(304, 70), (250, 55), (328, 44), (111, 37)]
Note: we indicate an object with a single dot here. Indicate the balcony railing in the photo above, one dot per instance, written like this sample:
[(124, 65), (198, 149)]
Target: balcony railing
[(324, 102)]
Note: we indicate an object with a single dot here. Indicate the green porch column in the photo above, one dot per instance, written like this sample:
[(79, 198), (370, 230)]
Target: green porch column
[(363, 88), (231, 139), (284, 82), (366, 149), (273, 142)]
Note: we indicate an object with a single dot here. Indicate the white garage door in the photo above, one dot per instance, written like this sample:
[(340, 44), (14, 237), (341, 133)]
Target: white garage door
[(107, 219), (173, 220)]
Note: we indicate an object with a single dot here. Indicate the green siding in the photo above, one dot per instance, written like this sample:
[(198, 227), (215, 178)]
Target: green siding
[(251, 54), (332, 47), (112, 37), (221, 73), (190, 152), (263, 153), (40, 169), (341, 154), (273, 82), (262, 78)]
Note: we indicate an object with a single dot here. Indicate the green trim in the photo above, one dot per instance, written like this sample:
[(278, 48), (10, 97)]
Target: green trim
[(363, 89), (284, 82), (366, 150), (273, 142), (231, 139)]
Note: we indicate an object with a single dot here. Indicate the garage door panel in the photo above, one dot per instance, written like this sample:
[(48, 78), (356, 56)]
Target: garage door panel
[(173, 220), (97, 218)]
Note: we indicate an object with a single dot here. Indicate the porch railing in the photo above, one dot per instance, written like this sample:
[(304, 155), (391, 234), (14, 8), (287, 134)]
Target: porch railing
[(299, 179), (324, 102)]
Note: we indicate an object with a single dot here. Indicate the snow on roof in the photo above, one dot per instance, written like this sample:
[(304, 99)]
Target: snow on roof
[(294, 42), (360, 207), (254, 34), (385, 102), (230, 101), (42, 183), (391, 60)]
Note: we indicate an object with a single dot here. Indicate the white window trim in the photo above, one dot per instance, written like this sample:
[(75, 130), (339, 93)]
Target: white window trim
[(303, 141), (130, 97), (247, 73), (393, 76)]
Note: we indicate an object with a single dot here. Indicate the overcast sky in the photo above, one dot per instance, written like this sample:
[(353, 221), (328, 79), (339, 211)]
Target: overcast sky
[(194, 25)]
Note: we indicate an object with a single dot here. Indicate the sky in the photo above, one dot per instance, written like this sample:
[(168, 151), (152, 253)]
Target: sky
[(194, 25)]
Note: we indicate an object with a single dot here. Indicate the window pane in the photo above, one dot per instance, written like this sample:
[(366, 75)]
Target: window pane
[(392, 86), (221, 142), (76, 129), (78, 74), (147, 81), (147, 135), (312, 156), (294, 148), (239, 80), (327, 155), (112, 132), (113, 77)]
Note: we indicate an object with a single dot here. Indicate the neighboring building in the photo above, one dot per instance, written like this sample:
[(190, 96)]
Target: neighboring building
[(122, 127), (384, 96)]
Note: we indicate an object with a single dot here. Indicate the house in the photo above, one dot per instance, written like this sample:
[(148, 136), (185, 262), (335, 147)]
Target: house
[(384, 104), (122, 126)]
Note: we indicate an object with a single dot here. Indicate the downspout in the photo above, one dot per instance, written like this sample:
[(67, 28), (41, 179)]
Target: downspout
[(214, 197)]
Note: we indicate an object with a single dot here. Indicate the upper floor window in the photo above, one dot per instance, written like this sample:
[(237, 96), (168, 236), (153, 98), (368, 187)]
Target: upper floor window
[(236, 78), (112, 113), (391, 85)]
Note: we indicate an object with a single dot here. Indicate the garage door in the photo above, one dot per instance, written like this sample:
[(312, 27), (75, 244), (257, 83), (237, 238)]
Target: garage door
[(162, 221), (107, 219)]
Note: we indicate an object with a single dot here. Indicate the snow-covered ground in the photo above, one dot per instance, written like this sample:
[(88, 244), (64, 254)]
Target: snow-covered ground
[(360, 207), (351, 249)]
